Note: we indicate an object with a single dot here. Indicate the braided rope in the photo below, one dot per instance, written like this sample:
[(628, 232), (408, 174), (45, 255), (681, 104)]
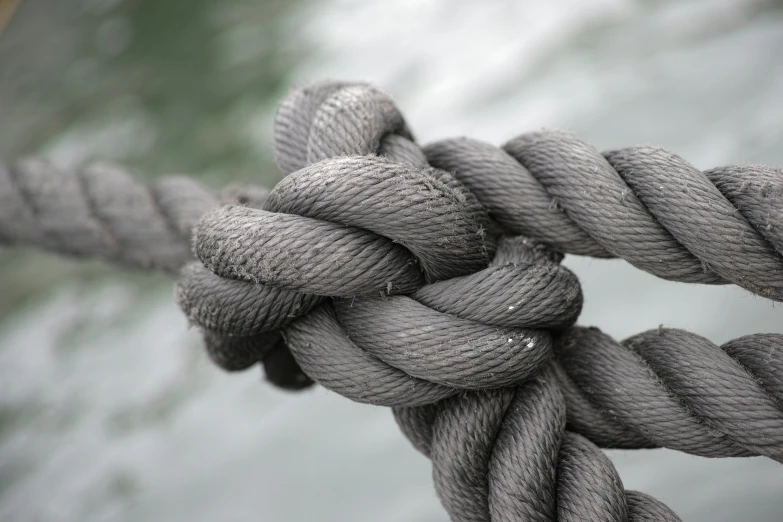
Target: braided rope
[(437, 312)]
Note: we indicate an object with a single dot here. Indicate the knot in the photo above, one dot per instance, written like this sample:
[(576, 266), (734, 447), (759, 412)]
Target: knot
[(429, 281), (367, 229), (359, 222), (406, 247), (229, 310), (425, 280), (393, 246), (482, 330)]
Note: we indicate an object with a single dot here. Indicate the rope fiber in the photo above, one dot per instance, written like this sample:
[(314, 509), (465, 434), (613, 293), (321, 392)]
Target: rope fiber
[(429, 280)]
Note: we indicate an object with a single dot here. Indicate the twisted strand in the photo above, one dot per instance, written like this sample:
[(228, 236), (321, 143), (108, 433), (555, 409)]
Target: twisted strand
[(101, 212), (104, 212), (643, 204), (506, 455), (675, 389)]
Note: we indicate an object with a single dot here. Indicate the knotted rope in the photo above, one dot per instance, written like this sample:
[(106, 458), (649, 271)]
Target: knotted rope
[(436, 311)]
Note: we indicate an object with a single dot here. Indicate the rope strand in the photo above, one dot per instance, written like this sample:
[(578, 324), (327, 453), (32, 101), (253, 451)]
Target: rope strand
[(643, 204)]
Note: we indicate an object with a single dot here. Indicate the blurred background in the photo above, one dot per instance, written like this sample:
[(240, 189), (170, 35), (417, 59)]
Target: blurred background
[(109, 411)]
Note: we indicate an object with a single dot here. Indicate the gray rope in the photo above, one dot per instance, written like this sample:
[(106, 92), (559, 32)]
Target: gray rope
[(505, 455), (643, 204), (675, 389), (343, 360), (101, 212), (104, 212), (392, 349), (473, 438), (437, 315)]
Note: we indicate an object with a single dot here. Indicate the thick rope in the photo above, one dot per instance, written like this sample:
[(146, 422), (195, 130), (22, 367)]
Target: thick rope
[(423, 321), (505, 455), (643, 204), (104, 212), (675, 389), (419, 349), (101, 212), (361, 350)]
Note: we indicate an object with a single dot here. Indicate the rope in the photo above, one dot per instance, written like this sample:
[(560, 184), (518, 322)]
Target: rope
[(389, 274), (505, 455), (103, 212), (643, 204), (675, 389)]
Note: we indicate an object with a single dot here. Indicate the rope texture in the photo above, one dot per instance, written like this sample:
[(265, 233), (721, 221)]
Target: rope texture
[(391, 275), (101, 212)]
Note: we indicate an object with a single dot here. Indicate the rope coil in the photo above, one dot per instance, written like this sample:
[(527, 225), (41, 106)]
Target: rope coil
[(428, 280)]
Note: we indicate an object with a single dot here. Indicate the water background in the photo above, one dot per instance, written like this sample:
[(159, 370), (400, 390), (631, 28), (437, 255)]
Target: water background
[(108, 409)]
